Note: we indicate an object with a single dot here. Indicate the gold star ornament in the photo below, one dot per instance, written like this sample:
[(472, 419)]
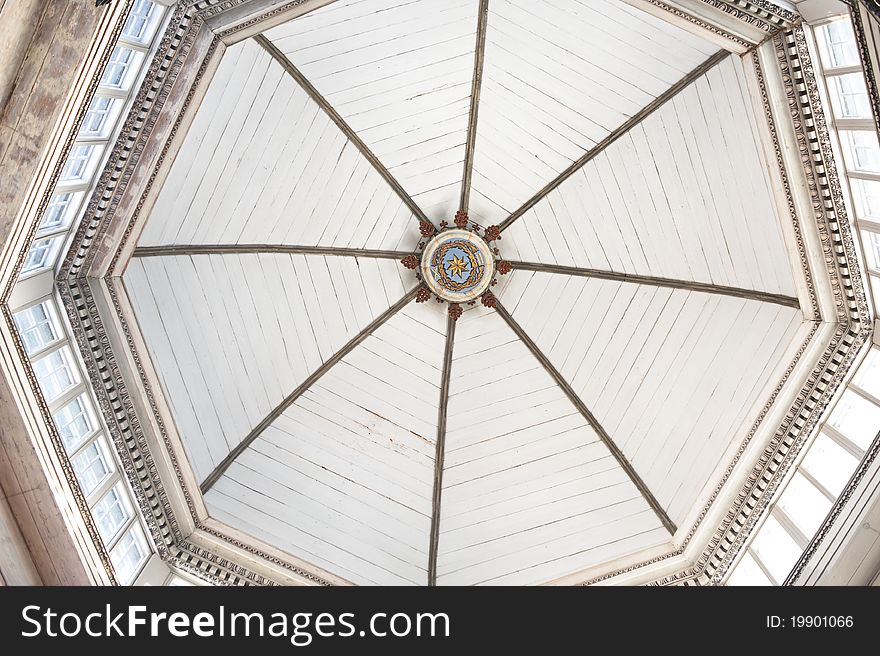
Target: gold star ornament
[(457, 266)]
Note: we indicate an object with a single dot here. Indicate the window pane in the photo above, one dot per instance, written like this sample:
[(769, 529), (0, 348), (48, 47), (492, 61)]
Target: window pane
[(830, 464), (839, 44), (55, 374), (867, 197), (178, 581), (128, 554), (74, 423), (138, 20), (857, 418), (77, 163), (862, 152), (804, 504), (875, 289), (747, 572), (868, 374), (91, 467), (39, 256), (850, 96), (871, 241), (776, 549), (56, 212), (96, 118), (36, 327), (117, 67), (110, 513)]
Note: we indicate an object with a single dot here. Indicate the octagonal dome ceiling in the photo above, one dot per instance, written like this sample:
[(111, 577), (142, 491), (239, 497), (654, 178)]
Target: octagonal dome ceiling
[(571, 423)]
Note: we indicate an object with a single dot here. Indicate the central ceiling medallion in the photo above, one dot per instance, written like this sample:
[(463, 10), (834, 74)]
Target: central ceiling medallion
[(457, 265)]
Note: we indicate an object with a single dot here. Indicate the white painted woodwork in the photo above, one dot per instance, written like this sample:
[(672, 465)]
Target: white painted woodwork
[(262, 163), (399, 72), (675, 377), (559, 76), (232, 335), (529, 490), (685, 195), (344, 478)]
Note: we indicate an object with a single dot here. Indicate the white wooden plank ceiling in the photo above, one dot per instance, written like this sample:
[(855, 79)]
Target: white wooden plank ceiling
[(529, 491), (579, 422), (660, 201), (344, 477)]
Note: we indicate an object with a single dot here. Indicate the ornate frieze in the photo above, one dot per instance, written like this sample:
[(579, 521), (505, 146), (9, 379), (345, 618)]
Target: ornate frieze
[(455, 263)]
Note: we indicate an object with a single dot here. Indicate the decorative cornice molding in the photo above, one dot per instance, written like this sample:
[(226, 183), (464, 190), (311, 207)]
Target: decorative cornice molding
[(759, 19), (107, 34), (851, 317), (690, 18), (128, 435), (89, 331), (766, 15)]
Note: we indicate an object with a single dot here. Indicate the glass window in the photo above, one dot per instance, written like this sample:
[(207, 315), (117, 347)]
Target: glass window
[(868, 374), (875, 289), (857, 418), (40, 254), (128, 554), (840, 44), (748, 572), (804, 504), (96, 118), (850, 96), (830, 464), (55, 374), (117, 67), (776, 549), (55, 216), (36, 326), (138, 20), (74, 423), (862, 152), (871, 241), (867, 197), (110, 513), (178, 581), (91, 467), (77, 163)]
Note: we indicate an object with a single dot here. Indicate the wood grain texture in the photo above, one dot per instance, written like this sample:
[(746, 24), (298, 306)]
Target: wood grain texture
[(399, 72), (262, 163), (233, 335), (529, 490), (558, 77), (344, 478), (683, 195), (674, 376)]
